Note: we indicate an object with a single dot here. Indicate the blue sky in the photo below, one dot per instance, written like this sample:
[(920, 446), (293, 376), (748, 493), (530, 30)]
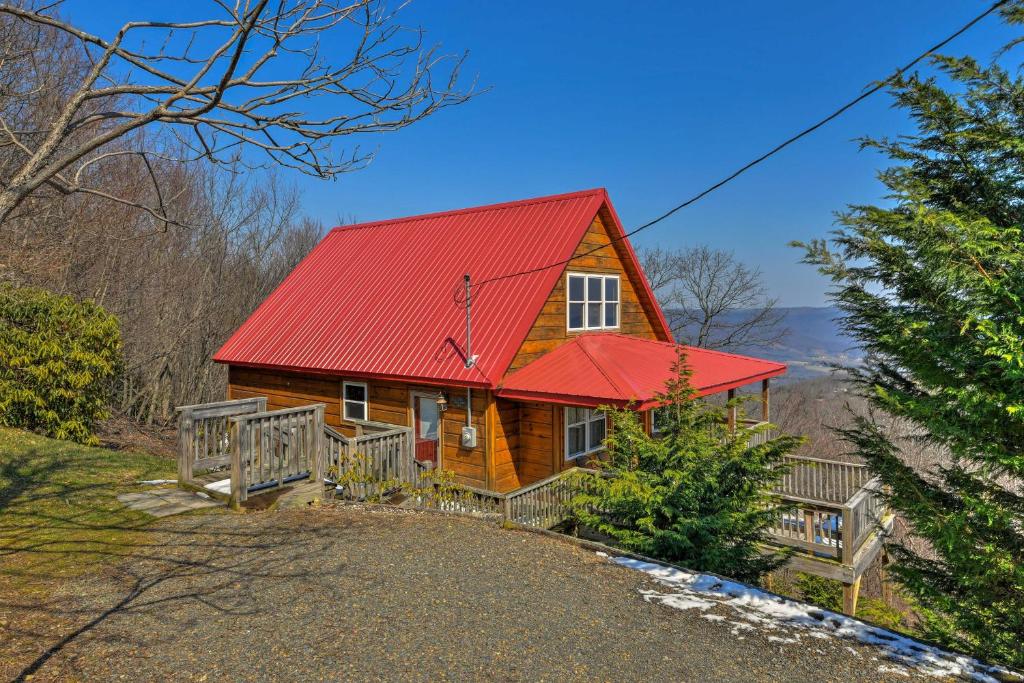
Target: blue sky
[(653, 101)]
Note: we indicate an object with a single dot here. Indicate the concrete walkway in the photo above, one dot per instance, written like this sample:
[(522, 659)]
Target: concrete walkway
[(164, 502)]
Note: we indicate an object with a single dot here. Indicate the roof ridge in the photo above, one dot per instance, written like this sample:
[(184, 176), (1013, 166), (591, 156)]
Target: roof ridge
[(472, 209), (590, 357), (698, 349)]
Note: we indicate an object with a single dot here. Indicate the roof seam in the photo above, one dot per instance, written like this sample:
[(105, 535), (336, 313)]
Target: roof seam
[(579, 342)]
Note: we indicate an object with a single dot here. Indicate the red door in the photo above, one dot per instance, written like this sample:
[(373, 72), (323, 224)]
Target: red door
[(426, 418)]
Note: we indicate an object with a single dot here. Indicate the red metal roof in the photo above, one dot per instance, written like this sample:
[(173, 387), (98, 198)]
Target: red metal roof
[(379, 299), (608, 368)]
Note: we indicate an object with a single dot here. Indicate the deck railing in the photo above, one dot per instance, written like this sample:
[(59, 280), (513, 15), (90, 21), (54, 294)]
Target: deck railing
[(276, 447), (758, 435), (829, 508), (828, 481), (366, 466), (863, 512), (545, 503), (816, 530), (204, 434)]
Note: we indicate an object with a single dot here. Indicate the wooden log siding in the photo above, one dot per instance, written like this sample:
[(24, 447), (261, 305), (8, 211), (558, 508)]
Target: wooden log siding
[(636, 312), (507, 476), (539, 454), (283, 390)]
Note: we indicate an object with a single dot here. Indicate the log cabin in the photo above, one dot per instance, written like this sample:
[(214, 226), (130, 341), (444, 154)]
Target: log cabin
[(503, 387)]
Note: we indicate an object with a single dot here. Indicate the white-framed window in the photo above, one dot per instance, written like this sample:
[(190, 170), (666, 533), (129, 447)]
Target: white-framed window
[(354, 398), (592, 301), (584, 431), (659, 416)]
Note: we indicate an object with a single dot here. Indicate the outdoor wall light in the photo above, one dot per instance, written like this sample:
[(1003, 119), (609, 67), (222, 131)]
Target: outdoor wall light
[(442, 401)]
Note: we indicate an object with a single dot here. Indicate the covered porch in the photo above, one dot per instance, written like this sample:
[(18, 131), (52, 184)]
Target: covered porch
[(548, 415)]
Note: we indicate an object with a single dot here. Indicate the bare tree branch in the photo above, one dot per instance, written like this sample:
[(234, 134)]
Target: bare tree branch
[(712, 300), (267, 92)]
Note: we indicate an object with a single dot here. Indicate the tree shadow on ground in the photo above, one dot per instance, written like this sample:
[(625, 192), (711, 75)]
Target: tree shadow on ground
[(65, 570)]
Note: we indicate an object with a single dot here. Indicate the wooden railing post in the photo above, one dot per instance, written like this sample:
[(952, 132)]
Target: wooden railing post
[(849, 535), (238, 432), (185, 447), (316, 470)]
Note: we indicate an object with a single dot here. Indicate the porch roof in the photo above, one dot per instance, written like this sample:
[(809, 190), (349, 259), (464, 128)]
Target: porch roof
[(614, 369)]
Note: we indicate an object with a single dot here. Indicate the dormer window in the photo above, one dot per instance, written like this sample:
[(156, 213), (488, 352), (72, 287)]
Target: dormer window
[(592, 302)]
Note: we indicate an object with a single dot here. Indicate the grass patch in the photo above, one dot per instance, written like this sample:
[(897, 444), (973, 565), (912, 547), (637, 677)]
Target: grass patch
[(59, 513)]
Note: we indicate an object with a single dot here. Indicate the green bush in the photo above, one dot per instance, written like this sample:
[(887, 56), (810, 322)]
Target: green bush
[(58, 358), (697, 495), (828, 593)]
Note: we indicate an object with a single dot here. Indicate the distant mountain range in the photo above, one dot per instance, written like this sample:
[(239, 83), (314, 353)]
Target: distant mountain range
[(814, 340)]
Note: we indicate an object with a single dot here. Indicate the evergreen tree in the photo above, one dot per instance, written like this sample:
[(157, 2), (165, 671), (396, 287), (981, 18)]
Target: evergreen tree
[(696, 495), (932, 286)]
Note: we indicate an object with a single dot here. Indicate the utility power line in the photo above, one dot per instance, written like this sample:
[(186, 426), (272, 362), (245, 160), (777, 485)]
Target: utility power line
[(767, 155)]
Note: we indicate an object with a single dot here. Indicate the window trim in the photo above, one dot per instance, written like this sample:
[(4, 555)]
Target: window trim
[(586, 301), (345, 401), (588, 448)]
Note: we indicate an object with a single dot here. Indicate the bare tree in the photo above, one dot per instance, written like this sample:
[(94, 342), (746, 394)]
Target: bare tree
[(268, 83), (712, 300)]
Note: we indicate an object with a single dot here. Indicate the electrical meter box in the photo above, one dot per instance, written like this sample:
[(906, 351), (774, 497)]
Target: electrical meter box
[(469, 437)]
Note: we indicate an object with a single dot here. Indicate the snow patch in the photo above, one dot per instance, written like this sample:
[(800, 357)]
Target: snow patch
[(714, 617), (157, 482), (693, 590)]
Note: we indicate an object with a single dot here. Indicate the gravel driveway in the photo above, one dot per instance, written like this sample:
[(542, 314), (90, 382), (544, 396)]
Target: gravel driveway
[(347, 594)]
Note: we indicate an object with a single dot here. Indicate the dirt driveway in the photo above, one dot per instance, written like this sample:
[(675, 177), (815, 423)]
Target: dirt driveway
[(350, 595)]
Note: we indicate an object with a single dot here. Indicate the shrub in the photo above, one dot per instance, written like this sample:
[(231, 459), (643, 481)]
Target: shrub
[(57, 359), (828, 593), (698, 495)]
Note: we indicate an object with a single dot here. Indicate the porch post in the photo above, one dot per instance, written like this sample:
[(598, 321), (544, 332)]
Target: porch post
[(765, 398), (732, 410), (851, 591)]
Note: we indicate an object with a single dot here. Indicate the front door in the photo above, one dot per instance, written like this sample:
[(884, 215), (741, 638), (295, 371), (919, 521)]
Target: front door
[(426, 421)]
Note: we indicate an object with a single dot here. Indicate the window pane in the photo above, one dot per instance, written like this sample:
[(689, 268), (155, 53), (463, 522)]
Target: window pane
[(658, 419), (597, 431), (594, 288), (575, 316), (355, 411), (576, 287), (611, 289), (573, 415), (355, 392), (576, 444), (593, 315), (427, 417), (611, 315)]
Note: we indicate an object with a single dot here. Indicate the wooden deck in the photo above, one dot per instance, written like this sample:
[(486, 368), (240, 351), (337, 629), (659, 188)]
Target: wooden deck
[(833, 514), (236, 449)]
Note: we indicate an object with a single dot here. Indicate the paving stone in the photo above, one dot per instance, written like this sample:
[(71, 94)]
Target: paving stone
[(166, 502)]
